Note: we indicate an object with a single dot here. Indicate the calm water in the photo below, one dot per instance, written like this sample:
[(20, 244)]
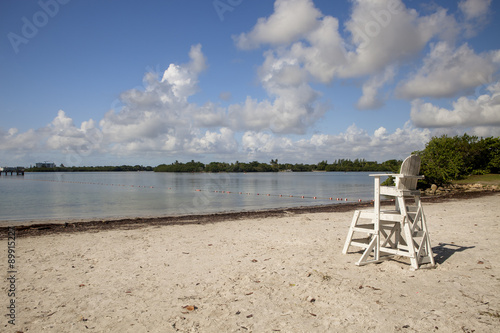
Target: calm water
[(89, 195)]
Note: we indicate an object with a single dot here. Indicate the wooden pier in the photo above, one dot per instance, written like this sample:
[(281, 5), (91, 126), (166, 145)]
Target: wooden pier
[(18, 170)]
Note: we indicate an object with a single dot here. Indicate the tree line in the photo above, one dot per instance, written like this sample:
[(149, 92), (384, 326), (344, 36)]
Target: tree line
[(63, 168), (274, 166)]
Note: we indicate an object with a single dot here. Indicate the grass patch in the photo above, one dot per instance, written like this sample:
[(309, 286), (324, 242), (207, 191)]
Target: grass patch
[(489, 179)]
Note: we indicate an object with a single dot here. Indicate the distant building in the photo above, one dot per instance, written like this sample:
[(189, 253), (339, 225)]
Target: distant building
[(46, 165)]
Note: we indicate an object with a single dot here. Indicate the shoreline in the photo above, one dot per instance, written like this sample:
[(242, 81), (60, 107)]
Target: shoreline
[(47, 227)]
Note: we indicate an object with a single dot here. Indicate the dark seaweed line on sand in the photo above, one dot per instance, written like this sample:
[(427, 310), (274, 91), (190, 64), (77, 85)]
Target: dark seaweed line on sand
[(136, 223)]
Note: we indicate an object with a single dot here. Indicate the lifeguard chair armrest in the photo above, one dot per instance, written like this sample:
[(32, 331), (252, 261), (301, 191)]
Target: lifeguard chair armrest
[(397, 175)]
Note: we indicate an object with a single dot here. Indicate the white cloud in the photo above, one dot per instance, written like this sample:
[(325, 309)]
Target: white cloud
[(386, 32), (476, 14), (447, 71), (64, 136), (213, 143), (286, 114), (371, 98), (262, 145), (322, 53), (207, 116), (474, 9), (184, 78), (293, 106), (382, 32), (151, 117), (482, 111), (483, 131), (291, 20), (13, 140), (353, 143), (61, 135), (250, 115)]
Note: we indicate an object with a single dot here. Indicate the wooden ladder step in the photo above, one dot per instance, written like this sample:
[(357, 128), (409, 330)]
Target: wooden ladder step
[(368, 228), (385, 216), (360, 242)]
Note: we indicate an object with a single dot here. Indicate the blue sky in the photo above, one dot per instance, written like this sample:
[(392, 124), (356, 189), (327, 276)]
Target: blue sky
[(150, 82)]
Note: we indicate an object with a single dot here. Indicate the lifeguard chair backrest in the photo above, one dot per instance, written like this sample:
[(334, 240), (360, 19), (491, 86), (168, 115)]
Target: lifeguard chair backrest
[(410, 167)]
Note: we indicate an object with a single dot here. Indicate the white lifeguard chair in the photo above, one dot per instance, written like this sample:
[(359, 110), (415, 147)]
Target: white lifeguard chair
[(398, 231)]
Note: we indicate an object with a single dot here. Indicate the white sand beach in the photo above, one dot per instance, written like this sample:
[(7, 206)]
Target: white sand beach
[(276, 274)]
